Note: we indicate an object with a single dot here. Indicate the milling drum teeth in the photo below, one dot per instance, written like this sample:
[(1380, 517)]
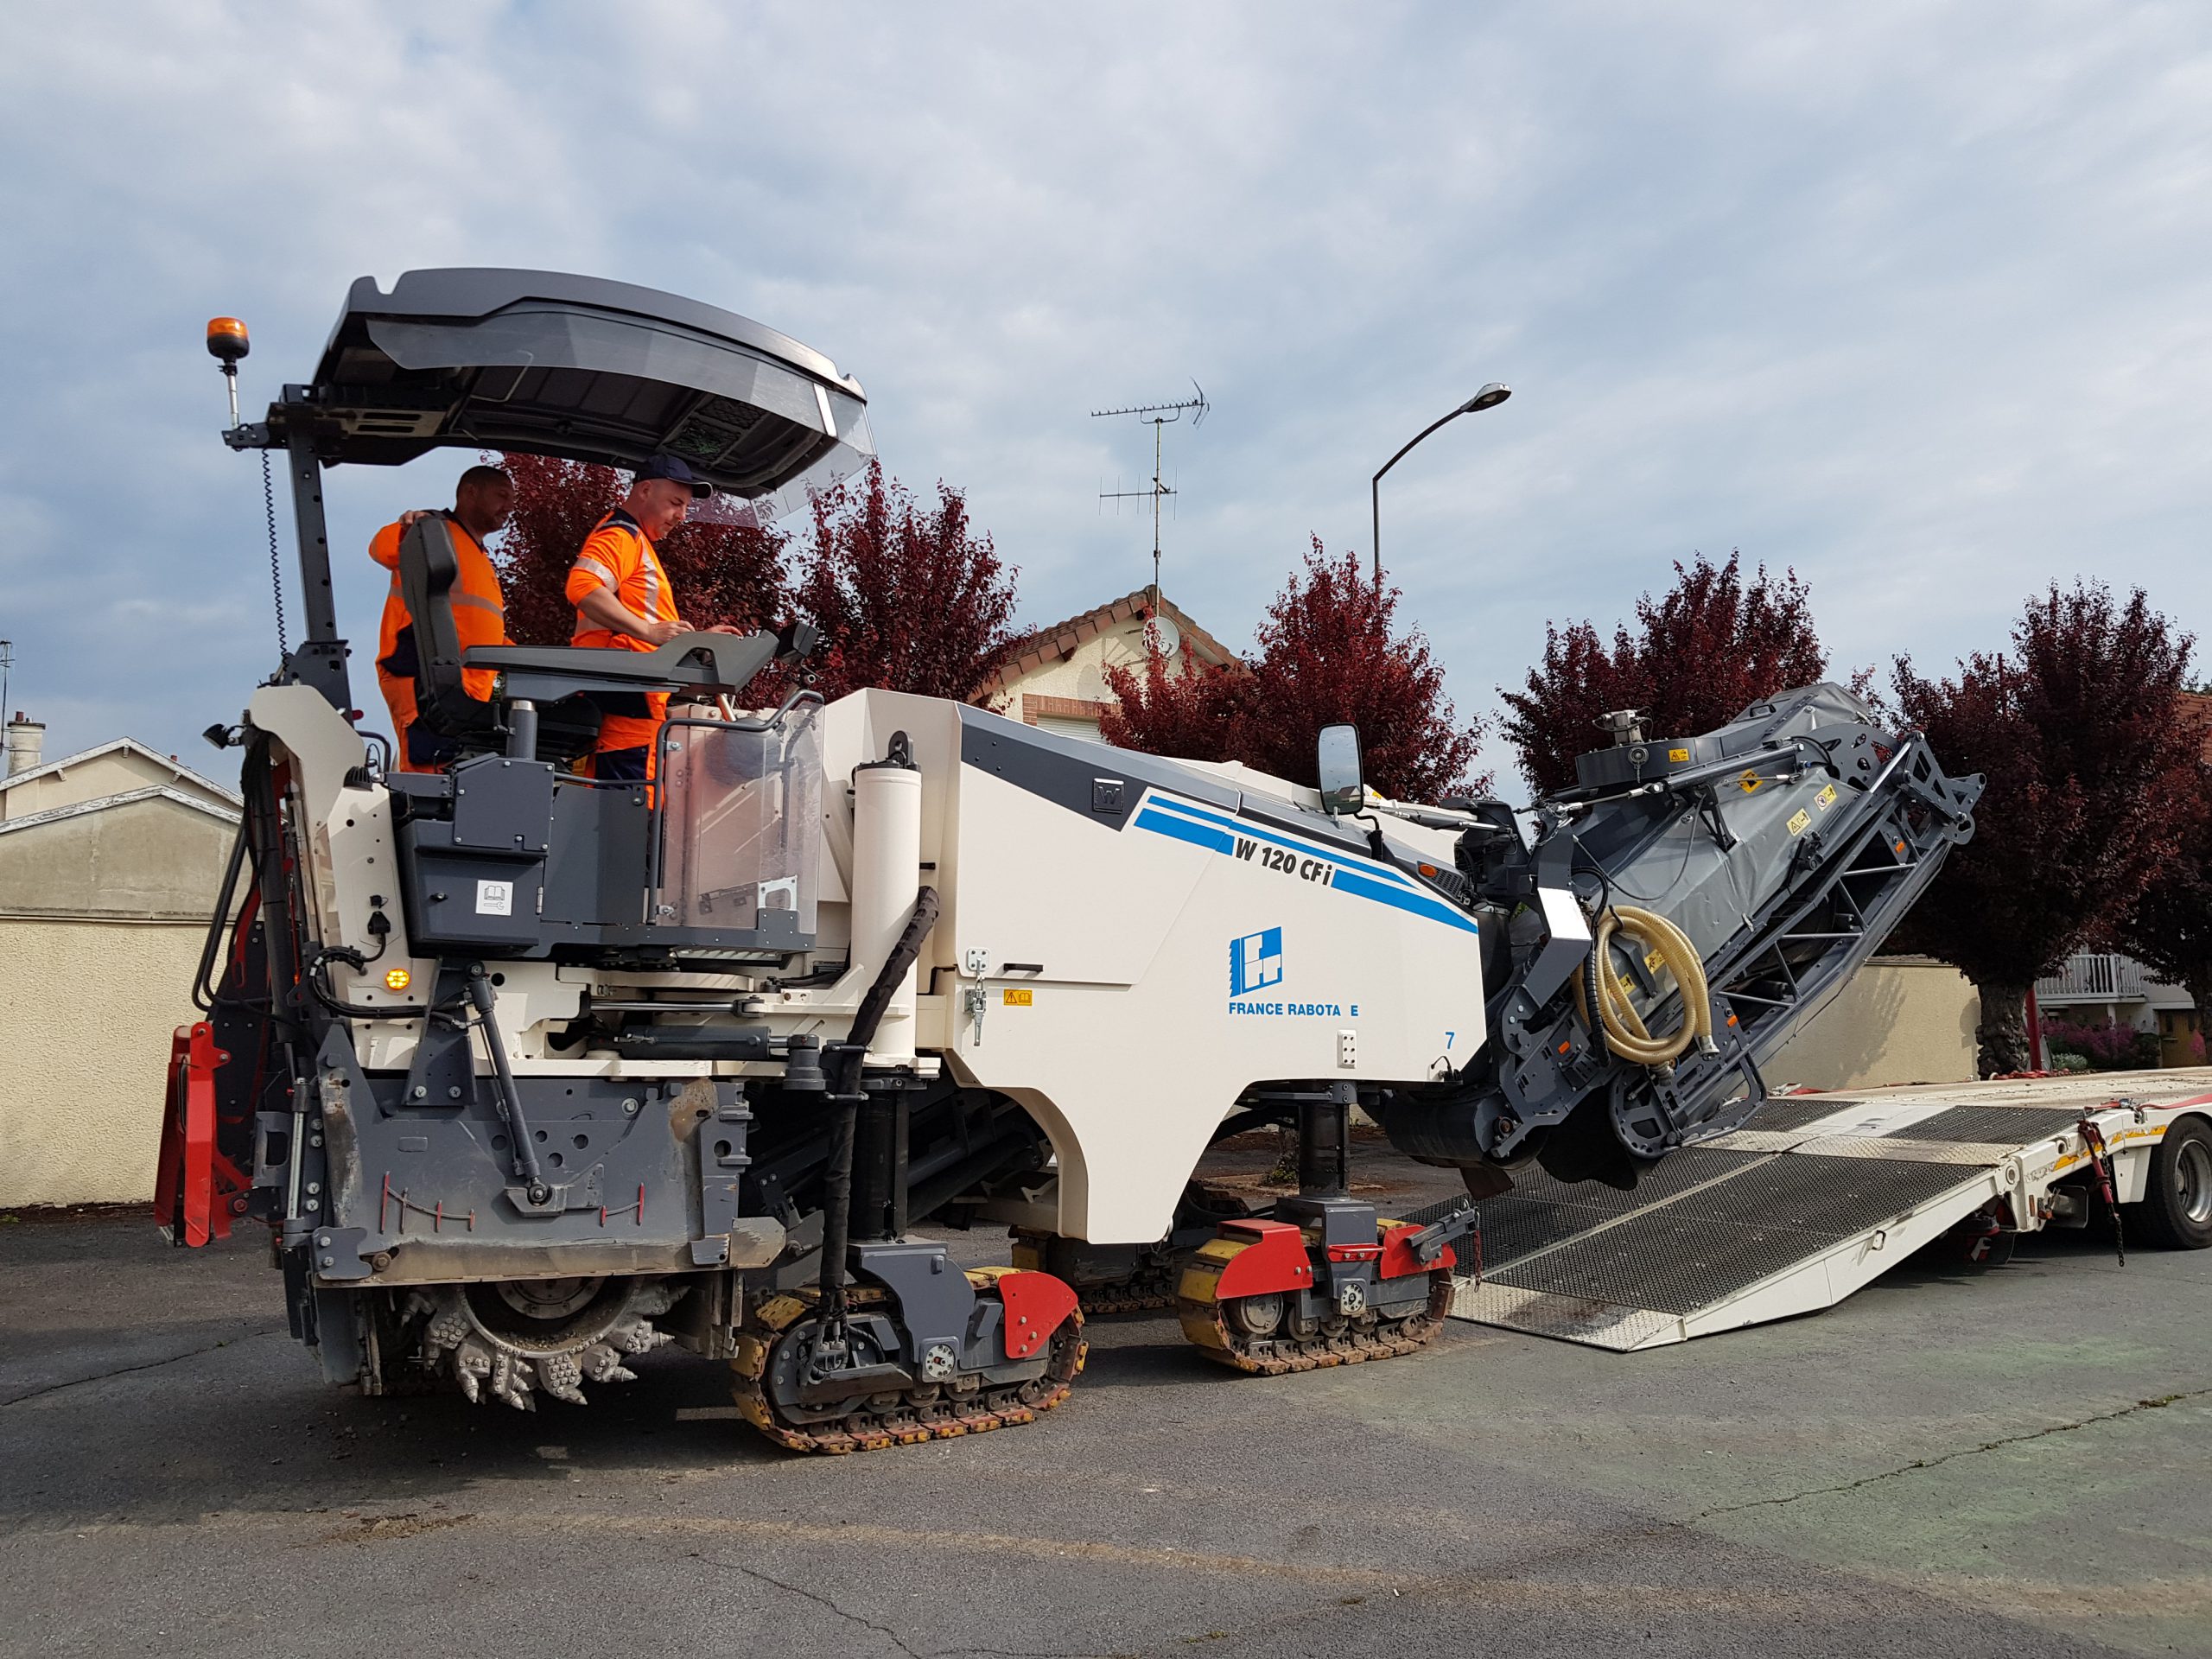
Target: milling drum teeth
[(483, 1361)]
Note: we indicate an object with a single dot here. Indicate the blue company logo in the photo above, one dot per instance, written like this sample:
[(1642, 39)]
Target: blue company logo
[(1256, 962)]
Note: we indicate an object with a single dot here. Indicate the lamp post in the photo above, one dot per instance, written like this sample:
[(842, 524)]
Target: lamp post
[(1489, 398)]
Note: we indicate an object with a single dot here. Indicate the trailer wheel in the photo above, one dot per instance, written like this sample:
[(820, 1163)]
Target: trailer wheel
[(2176, 1210)]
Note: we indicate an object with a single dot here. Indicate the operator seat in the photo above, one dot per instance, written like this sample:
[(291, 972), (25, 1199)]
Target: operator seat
[(427, 570), (549, 700)]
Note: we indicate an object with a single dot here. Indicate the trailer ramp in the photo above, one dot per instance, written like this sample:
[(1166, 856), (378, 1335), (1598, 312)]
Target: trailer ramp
[(1821, 1196)]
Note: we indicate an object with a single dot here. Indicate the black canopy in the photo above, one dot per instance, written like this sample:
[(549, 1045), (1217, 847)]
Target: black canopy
[(580, 368)]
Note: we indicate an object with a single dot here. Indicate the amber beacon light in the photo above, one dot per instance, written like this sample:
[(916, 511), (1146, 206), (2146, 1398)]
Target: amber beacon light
[(227, 343), (226, 338)]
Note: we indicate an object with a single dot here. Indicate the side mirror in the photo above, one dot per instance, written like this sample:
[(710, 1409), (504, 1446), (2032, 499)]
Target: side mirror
[(1343, 788)]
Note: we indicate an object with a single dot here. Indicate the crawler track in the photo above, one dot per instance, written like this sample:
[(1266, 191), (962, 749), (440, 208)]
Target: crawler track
[(929, 1411), (1337, 1341)]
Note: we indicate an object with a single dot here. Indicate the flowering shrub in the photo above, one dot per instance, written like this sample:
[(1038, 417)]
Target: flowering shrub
[(2106, 1045)]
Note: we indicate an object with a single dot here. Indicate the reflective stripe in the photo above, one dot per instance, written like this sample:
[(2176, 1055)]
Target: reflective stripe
[(596, 569), (649, 573), (482, 604)]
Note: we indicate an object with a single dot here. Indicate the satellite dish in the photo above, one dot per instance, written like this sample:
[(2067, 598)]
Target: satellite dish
[(1163, 635)]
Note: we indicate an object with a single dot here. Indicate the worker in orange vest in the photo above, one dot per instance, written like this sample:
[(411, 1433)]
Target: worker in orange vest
[(624, 602), (481, 503)]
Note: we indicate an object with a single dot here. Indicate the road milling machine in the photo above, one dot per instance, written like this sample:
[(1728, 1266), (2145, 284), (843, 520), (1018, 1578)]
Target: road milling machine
[(527, 1073)]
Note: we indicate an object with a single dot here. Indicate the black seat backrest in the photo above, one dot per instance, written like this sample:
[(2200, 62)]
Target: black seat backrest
[(427, 569)]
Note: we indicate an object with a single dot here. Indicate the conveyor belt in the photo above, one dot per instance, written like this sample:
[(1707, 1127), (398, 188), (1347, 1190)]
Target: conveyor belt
[(1817, 1198)]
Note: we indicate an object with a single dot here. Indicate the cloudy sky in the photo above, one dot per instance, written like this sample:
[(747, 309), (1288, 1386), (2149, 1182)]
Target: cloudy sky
[(1916, 299)]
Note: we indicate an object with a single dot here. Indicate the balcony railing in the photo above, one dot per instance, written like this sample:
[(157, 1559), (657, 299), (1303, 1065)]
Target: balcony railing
[(2096, 976)]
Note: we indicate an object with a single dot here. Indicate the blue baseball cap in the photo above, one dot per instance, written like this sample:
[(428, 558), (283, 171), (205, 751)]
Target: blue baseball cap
[(676, 471)]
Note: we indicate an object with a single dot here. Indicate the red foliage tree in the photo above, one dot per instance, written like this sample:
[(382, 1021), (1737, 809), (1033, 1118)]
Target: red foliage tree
[(2079, 735), (724, 574), (1193, 715), (1701, 653), (2169, 927), (907, 598), (1327, 653)]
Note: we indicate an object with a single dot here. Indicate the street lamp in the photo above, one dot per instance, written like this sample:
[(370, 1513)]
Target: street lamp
[(1489, 398)]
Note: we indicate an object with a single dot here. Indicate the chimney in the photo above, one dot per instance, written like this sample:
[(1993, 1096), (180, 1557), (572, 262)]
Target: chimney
[(26, 744)]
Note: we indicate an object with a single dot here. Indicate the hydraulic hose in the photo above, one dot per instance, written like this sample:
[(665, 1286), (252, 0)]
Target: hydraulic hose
[(837, 1176), (1615, 1022)]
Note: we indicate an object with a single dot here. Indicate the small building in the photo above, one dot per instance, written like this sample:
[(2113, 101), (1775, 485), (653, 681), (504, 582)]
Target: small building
[(1056, 679), (110, 863), (2105, 987)]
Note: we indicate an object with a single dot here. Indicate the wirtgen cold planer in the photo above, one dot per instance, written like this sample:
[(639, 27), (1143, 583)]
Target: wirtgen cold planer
[(528, 1074)]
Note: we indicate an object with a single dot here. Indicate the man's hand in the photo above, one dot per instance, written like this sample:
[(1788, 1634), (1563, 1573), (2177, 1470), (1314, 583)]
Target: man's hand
[(724, 627), (408, 518), (599, 605)]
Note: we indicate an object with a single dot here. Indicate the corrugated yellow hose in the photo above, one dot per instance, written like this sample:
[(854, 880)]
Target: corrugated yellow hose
[(1626, 1033)]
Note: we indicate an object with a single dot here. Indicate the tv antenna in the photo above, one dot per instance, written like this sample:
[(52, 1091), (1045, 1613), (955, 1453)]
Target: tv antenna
[(1156, 415), (7, 669)]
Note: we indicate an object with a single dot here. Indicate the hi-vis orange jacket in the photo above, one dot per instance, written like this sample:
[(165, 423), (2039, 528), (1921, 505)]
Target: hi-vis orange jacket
[(479, 619), (617, 555)]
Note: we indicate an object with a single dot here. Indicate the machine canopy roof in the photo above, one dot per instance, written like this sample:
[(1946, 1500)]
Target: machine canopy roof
[(582, 369)]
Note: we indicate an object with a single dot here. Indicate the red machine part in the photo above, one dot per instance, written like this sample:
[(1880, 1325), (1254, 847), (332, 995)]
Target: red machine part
[(197, 1190), (1275, 1260), (1037, 1303), (1398, 1259)]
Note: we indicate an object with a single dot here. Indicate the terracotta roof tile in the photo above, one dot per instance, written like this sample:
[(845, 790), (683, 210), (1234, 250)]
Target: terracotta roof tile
[(1047, 645)]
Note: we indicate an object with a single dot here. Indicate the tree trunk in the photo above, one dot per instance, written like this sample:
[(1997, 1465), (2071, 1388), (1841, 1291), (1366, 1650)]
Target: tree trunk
[(2002, 1036)]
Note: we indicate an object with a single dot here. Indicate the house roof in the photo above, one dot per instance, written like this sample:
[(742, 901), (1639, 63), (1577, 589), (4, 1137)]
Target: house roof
[(131, 746), (1033, 650), (103, 802)]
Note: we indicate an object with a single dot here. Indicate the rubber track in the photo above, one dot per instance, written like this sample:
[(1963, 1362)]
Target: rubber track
[(1277, 1356), (910, 1421)]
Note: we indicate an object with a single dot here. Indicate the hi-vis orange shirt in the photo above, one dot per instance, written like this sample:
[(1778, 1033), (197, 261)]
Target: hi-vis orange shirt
[(479, 618), (617, 555)]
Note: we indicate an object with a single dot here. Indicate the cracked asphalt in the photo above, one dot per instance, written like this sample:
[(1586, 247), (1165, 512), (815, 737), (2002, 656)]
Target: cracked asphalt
[(2017, 1463)]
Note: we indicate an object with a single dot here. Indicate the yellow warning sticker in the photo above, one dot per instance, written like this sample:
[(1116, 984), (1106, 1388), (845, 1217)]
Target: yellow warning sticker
[(1748, 782), (1826, 798), (1798, 820), (1018, 997), (1678, 755), (1655, 960)]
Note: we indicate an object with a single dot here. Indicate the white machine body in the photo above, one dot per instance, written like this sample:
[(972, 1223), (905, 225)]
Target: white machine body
[(1125, 945)]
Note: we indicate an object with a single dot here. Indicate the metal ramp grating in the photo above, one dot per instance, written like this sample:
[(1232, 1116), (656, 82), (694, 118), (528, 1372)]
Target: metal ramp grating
[(1678, 1257), (1762, 1225), (1799, 1111), (1826, 1197), (2007, 1126)]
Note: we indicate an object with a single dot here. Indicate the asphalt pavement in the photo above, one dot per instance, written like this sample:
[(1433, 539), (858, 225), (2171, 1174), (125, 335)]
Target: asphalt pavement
[(2015, 1464)]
